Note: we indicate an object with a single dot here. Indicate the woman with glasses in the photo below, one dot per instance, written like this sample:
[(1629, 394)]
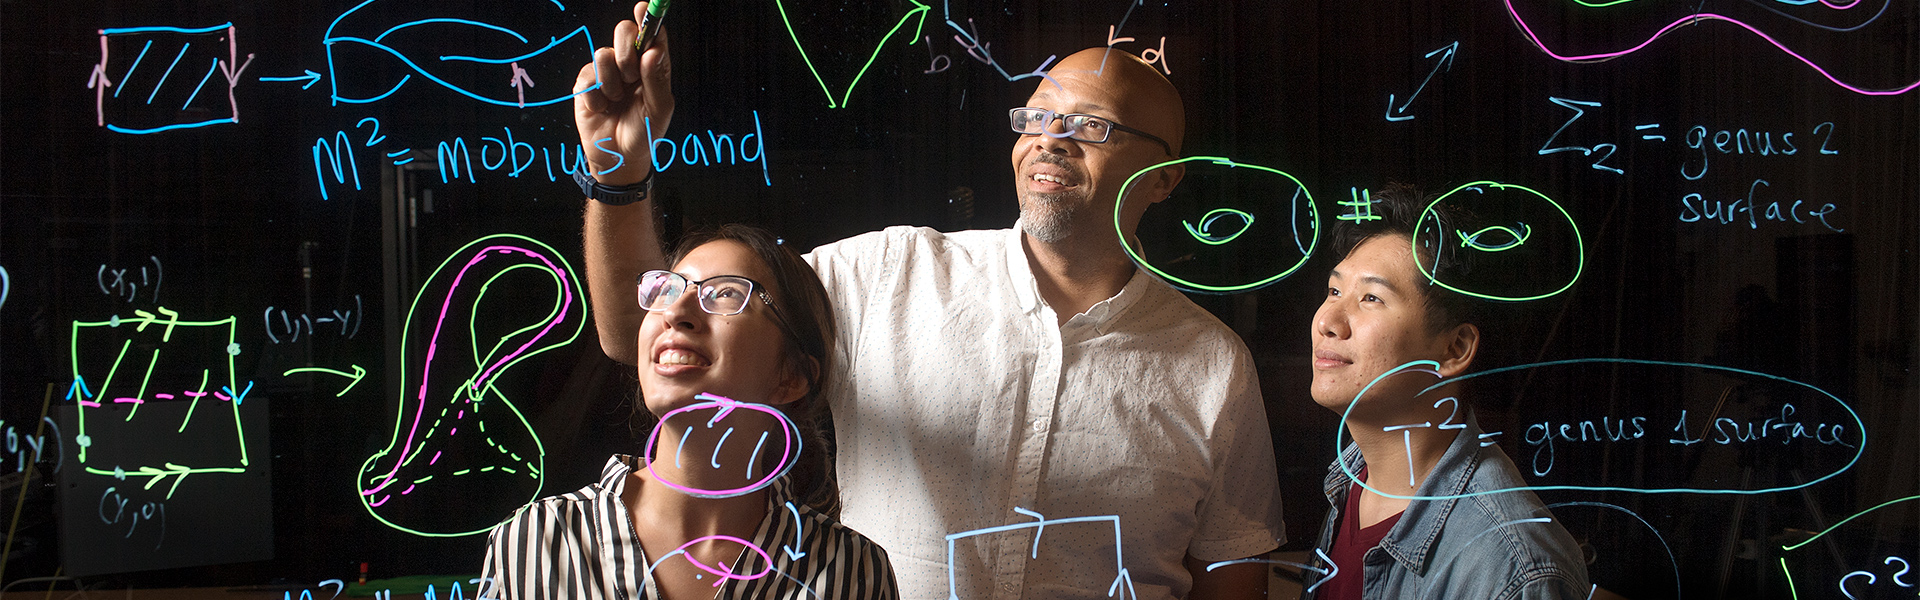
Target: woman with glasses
[(731, 495)]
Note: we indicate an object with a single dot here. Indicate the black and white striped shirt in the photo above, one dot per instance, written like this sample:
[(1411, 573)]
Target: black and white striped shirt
[(582, 545)]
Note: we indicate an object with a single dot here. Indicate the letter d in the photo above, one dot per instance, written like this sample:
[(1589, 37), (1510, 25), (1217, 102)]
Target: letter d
[(759, 149)]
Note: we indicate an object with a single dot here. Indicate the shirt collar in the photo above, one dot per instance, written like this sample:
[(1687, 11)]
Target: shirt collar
[(1026, 288), (1412, 541), (1102, 314), (613, 477)]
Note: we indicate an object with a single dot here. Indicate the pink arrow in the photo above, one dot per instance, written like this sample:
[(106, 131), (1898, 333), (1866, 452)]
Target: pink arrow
[(519, 78), (97, 81), (228, 69)]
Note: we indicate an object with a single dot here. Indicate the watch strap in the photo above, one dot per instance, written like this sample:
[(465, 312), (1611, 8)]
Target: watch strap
[(612, 195)]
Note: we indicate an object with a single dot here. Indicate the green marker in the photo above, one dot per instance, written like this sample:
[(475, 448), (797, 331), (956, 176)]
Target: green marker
[(650, 24)]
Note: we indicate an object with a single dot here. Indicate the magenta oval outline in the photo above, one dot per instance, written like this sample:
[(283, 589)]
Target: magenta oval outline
[(789, 448), (765, 558)]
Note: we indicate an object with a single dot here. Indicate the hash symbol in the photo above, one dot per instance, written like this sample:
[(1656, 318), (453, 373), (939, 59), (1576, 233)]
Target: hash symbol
[(1362, 204)]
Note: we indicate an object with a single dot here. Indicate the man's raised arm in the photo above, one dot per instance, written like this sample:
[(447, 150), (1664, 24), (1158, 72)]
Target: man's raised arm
[(614, 121)]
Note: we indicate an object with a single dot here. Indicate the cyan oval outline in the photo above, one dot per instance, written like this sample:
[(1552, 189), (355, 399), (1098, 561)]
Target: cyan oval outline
[(1428, 366)]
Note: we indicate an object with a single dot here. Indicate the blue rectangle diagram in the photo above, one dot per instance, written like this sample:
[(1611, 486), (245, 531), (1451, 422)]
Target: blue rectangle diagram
[(155, 79)]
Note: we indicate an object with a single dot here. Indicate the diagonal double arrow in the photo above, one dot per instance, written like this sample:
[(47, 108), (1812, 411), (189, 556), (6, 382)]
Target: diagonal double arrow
[(1446, 62)]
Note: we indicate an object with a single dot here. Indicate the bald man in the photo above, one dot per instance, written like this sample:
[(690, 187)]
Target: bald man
[(1019, 413)]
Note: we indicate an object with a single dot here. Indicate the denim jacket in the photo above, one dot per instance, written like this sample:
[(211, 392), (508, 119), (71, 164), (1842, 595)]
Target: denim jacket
[(1476, 547)]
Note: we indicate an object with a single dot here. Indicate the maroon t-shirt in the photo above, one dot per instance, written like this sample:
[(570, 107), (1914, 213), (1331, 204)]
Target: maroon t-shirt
[(1350, 546)]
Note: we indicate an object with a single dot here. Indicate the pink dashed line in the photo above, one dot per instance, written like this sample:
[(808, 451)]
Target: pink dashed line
[(382, 500), (195, 394), (462, 415), (455, 430), (419, 412), (128, 401), (435, 459), (221, 396), (164, 396), (446, 305), (566, 302), (90, 403), (409, 490)]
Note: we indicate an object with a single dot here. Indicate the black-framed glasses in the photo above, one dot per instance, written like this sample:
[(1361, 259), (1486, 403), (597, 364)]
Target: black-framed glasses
[(1083, 127), (723, 295)]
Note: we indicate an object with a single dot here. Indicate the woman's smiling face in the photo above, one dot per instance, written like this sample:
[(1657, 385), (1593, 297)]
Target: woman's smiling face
[(685, 351)]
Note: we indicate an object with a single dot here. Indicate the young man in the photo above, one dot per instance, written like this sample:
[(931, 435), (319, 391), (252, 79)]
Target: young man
[(1441, 514), (992, 378)]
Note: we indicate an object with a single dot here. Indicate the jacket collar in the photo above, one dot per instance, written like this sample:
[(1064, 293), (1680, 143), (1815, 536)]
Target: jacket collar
[(1411, 541)]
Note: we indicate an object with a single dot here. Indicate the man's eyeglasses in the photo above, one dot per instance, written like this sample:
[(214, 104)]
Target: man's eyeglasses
[(724, 295), (1082, 127)]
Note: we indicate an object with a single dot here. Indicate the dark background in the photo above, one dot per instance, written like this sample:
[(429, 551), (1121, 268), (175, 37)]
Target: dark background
[(234, 215)]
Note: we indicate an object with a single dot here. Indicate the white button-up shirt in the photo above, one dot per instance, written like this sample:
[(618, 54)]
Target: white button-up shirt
[(997, 454)]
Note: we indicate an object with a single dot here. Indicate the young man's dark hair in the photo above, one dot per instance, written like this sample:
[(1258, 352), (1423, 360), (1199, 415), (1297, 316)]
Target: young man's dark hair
[(1399, 208)]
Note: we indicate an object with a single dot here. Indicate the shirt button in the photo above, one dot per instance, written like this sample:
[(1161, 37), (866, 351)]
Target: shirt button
[(1039, 426)]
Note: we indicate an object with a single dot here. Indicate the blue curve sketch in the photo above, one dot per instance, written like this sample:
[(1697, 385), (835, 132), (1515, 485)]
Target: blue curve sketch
[(983, 51), (151, 122), (1671, 560), (1204, 233), (188, 30), (1515, 237), (1876, 16), (1122, 580), (514, 47)]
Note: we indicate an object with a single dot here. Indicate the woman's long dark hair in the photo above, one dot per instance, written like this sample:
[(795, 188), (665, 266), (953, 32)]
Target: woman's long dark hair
[(803, 304)]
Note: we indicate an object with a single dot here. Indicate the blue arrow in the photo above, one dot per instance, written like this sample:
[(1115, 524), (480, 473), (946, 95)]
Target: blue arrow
[(1331, 570), (311, 77), (797, 529)]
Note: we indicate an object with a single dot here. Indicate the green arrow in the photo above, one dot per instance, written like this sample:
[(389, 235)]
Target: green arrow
[(919, 9), (358, 373)]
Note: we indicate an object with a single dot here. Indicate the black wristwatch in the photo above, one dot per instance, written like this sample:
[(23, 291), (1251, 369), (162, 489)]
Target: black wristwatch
[(612, 195)]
